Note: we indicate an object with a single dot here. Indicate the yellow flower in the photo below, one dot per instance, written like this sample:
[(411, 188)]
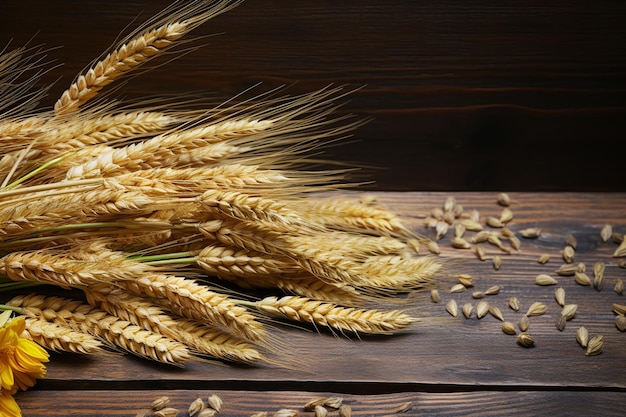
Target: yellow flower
[(21, 360), (8, 406)]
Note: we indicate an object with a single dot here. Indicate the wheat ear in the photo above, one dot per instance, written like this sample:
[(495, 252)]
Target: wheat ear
[(331, 315), (53, 268), (58, 337), (188, 299), (112, 329), (141, 46)]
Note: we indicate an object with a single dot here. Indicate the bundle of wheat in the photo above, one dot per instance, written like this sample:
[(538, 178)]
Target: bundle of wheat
[(150, 212)]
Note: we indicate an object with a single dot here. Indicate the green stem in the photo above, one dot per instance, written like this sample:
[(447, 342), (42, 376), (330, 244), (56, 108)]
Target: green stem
[(9, 286), (172, 261), (17, 310), (36, 171)]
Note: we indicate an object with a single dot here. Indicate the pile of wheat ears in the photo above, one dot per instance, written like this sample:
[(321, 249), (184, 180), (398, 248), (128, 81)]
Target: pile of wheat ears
[(184, 234)]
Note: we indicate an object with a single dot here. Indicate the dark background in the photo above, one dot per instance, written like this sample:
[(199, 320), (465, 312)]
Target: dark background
[(464, 95)]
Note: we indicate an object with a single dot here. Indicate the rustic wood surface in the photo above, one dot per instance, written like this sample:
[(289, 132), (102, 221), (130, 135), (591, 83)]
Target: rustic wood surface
[(444, 365), (462, 95)]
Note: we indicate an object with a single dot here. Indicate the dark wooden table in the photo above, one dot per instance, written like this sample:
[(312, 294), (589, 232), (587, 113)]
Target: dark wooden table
[(443, 365)]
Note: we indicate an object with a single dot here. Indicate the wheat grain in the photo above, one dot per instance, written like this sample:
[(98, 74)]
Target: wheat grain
[(452, 308), (58, 337)]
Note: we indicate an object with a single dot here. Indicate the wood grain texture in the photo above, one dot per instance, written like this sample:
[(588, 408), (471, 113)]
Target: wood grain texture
[(245, 403), (518, 96)]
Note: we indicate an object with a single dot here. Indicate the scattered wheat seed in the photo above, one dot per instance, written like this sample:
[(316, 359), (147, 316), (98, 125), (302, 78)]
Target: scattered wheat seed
[(449, 204), (313, 402), (333, 402), (582, 279), (606, 232), (481, 237), (215, 402), (196, 407), (566, 270), (595, 346), (508, 328), (471, 225), (460, 243), (495, 241), (568, 254), (434, 296), (598, 275), (482, 308), (459, 230), (525, 340), (478, 294), (466, 280), (209, 412), (531, 232), (504, 199), (569, 311), (621, 250), (441, 228), (160, 403), (544, 279), (497, 262), (479, 251), (403, 407), (433, 247), (619, 308), (452, 308), (320, 411), (560, 323), (582, 336), (619, 287), (570, 240), (496, 312), (581, 267), (457, 288), (259, 414), (506, 232), (467, 310), (506, 215), (543, 259), (166, 412), (514, 303), (345, 410), (559, 296), (437, 213), (536, 309), (622, 264), (493, 290), (516, 244), (494, 222), (524, 323), (620, 322), (617, 237)]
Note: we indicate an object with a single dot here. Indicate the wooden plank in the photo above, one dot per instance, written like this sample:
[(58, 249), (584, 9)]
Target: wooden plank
[(456, 92), (440, 350), (245, 403)]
